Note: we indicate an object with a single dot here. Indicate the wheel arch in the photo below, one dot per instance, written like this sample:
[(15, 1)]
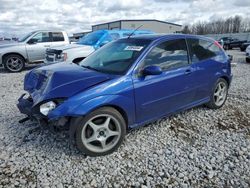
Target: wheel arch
[(13, 53), (119, 109), (227, 79)]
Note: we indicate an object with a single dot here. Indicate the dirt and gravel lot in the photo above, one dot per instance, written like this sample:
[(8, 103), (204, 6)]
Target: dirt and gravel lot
[(197, 148)]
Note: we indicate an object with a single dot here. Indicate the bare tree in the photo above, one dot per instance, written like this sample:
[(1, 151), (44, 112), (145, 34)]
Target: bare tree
[(230, 25)]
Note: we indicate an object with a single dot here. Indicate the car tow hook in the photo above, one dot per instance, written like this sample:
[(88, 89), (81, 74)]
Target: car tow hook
[(24, 120)]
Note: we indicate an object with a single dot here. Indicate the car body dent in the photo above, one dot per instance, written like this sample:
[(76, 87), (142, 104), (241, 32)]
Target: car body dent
[(108, 93), (67, 80), (119, 90)]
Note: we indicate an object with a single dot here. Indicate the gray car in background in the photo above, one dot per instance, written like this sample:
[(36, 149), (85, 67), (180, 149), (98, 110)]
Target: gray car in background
[(30, 49)]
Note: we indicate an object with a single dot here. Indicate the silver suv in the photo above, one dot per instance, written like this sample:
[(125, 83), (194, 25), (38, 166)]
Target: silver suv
[(30, 49)]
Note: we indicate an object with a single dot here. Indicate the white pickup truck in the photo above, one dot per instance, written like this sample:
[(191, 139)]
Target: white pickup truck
[(30, 49), (88, 44)]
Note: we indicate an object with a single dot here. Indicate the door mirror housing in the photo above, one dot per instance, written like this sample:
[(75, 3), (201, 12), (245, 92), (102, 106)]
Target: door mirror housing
[(32, 41), (152, 70)]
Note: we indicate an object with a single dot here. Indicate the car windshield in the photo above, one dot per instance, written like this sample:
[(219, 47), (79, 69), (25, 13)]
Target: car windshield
[(115, 57), (26, 37), (91, 38)]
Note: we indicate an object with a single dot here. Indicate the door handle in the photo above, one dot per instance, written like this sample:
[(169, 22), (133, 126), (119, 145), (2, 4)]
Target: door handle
[(188, 71), (46, 45)]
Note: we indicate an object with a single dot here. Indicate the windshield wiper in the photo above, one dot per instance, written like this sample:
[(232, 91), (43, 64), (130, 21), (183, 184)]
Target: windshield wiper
[(91, 68)]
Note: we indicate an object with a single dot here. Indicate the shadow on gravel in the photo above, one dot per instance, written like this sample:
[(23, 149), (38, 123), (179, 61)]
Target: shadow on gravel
[(48, 141)]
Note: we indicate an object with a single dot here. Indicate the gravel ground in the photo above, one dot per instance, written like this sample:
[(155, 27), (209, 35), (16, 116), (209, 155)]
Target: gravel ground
[(197, 148)]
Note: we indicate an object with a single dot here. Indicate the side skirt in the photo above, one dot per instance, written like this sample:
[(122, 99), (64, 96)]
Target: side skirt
[(197, 103)]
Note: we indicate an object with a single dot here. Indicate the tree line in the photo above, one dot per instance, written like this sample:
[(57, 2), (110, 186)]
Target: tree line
[(230, 25)]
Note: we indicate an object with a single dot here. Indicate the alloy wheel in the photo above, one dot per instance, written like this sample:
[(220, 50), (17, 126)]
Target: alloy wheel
[(101, 133), (220, 93), (14, 64)]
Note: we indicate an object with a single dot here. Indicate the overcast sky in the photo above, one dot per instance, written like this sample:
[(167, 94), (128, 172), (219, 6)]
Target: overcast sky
[(18, 17)]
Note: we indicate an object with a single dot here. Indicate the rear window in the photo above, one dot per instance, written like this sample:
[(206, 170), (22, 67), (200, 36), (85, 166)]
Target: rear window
[(57, 36), (115, 36), (202, 49)]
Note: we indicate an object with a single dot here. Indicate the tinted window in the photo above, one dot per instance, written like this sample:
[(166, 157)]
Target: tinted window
[(127, 34), (115, 36), (202, 49), (91, 38), (168, 55), (115, 57), (42, 37), (57, 36)]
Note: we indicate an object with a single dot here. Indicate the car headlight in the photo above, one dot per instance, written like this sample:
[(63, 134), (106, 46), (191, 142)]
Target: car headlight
[(64, 56), (47, 107)]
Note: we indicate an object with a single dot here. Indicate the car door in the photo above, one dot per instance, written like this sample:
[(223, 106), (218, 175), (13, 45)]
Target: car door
[(57, 39), (206, 57), (37, 45), (158, 95)]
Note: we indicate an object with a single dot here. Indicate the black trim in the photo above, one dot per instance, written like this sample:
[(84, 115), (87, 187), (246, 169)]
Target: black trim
[(188, 51)]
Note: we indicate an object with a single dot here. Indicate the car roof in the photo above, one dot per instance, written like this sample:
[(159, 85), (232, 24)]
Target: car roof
[(123, 31), (153, 37)]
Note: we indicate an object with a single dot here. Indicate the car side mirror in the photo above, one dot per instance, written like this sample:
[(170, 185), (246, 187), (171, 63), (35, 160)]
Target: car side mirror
[(152, 70), (32, 41)]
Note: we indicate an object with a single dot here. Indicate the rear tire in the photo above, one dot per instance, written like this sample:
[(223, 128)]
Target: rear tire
[(101, 132), (226, 47), (13, 63), (242, 49), (219, 94), (248, 60)]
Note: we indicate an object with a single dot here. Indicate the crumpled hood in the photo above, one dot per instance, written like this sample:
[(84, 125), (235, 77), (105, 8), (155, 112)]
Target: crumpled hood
[(60, 81)]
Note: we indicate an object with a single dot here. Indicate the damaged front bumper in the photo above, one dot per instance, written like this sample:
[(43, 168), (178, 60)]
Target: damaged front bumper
[(26, 106)]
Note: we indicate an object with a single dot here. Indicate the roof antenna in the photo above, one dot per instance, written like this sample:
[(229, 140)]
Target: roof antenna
[(134, 31)]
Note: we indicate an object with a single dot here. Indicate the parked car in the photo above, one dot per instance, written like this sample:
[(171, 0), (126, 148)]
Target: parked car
[(86, 45), (244, 46), (126, 84), (30, 49), (248, 54), (230, 43)]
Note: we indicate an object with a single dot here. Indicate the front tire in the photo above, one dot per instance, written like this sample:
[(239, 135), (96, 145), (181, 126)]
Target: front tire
[(13, 63), (219, 94), (248, 60), (101, 132)]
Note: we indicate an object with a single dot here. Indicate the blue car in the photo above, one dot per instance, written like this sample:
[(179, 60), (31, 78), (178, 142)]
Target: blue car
[(87, 45), (126, 84)]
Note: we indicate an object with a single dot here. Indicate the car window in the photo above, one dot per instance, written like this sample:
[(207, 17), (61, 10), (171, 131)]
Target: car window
[(202, 49), (91, 38), (168, 55), (115, 36), (57, 36), (127, 34), (42, 37), (116, 57)]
